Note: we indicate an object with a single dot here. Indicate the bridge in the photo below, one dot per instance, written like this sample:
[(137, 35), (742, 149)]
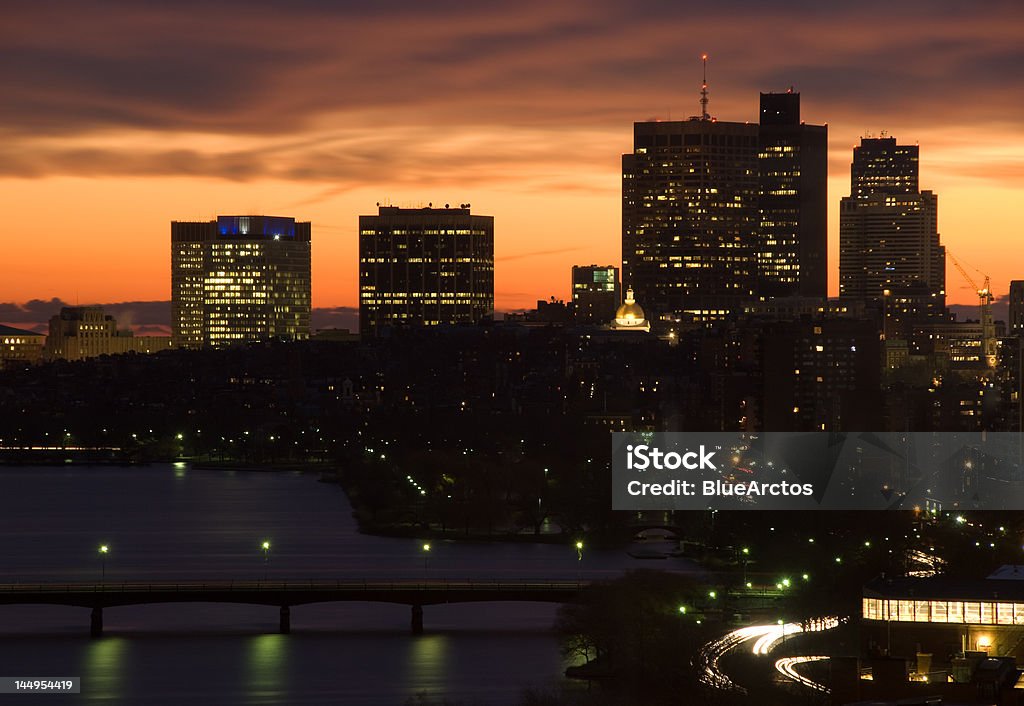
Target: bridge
[(285, 594)]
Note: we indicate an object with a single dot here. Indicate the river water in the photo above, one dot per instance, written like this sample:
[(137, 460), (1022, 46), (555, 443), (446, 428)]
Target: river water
[(172, 522)]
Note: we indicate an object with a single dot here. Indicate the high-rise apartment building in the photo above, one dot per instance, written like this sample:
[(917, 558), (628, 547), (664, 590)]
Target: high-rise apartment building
[(889, 248), (595, 293), (792, 158), (425, 266), (239, 279)]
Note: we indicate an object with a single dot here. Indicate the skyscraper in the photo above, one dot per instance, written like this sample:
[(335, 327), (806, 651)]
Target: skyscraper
[(689, 217), (1016, 307), (595, 293), (792, 250), (889, 248), (882, 166), (715, 213), (424, 266), (239, 279)]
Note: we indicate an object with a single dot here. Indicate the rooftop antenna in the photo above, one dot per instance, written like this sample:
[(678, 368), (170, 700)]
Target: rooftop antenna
[(704, 91)]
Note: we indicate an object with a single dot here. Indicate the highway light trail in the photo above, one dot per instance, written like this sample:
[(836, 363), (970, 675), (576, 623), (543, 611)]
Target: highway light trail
[(765, 637), (787, 667), (774, 634)]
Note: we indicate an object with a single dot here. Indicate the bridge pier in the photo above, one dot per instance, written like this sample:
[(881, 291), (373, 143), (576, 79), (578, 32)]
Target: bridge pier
[(96, 623), (417, 620), (286, 620)]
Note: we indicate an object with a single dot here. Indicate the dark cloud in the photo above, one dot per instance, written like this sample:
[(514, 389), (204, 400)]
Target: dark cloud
[(151, 318), (36, 313), (536, 253), (31, 313), (377, 89), (967, 312), (340, 317)]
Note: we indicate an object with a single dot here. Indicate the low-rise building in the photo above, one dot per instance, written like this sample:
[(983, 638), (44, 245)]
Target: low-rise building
[(20, 347), (81, 332)]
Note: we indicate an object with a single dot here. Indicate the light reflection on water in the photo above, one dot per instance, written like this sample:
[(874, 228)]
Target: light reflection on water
[(267, 668), (427, 661), (166, 522), (104, 665)]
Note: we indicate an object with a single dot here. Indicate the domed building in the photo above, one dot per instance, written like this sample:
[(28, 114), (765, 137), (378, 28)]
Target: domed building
[(630, 316)]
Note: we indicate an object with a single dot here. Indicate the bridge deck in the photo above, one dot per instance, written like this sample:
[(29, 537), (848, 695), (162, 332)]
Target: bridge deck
[(288, 593)]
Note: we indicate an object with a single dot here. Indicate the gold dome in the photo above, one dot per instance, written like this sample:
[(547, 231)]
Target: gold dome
[(630, 314)]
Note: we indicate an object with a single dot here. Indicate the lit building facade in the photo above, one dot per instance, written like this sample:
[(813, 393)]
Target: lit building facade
[(239, 279), (792, 158), (690, 219), (889, 249), (958, 344), (880, 166), (908, 615), (81, 332), (20, 348), (595, 293), (424, 267)]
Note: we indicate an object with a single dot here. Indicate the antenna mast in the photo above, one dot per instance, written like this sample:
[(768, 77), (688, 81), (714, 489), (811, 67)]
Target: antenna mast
[(704, 91)]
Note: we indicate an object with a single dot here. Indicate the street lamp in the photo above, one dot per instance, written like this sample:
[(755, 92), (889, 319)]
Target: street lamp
[(579, 560), (426, 555), (265, 546), (104, 550)]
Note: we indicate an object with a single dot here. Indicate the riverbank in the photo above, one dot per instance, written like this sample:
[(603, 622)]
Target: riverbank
[(417, 532)]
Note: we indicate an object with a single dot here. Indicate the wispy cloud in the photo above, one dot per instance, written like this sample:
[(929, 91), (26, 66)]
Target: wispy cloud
[(326, 91), (536, 253)]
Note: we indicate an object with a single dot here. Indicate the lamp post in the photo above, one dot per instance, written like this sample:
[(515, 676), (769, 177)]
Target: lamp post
[(579, 561), (426, 556), (265, 546), (104, 550)]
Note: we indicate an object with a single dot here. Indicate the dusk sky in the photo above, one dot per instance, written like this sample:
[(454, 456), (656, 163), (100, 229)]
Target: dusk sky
[(119, 117)]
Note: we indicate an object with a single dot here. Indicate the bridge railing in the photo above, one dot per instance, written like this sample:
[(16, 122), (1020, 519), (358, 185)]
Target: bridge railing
[(364, 585)]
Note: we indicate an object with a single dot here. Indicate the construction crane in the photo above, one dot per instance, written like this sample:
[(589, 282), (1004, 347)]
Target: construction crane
[(988, 327)]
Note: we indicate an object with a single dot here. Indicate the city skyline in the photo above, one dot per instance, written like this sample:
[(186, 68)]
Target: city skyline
[(523, 115)]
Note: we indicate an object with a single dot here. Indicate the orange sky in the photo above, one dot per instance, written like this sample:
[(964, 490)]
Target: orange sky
[(116, 125)]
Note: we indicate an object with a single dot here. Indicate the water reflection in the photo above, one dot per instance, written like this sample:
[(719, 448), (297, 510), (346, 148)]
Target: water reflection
[(103, 669), (427, 663), (267, 668)]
